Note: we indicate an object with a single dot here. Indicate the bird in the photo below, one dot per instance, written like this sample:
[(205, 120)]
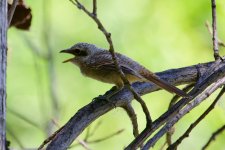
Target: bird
[(97, 63)]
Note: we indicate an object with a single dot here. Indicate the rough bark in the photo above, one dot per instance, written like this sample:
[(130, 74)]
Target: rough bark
[(3, 50)]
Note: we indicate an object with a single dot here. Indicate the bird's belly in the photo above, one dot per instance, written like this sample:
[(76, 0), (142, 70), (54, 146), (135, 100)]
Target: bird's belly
[(111, 77)]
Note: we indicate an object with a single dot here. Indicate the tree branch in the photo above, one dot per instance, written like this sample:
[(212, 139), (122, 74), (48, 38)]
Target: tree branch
[(3, 64), (198, 99), (220, 130), (86, 115), (197, 90), (133, 117), (193, 125)]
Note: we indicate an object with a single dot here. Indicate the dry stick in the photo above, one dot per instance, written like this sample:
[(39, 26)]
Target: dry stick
[(200, 97), (214, 24), (194, 124), (219, 131), (11, 11), (112, 51), (220, 42), (50, 138), (3, 70), (94, 7), (106, 137), (50, 68), (198, 89), (133, 117), (172, 102), (24, 118), (15, 137)]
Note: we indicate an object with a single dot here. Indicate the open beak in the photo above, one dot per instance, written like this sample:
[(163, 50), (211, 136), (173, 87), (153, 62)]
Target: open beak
[(69, 51)]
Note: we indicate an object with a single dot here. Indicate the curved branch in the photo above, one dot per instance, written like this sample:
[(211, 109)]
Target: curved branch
[(86, 115)]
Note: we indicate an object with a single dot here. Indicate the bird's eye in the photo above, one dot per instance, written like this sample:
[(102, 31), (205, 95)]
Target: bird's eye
[(77, 51)]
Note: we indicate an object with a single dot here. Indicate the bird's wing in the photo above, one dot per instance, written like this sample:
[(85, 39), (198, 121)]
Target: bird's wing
[(104, 61)]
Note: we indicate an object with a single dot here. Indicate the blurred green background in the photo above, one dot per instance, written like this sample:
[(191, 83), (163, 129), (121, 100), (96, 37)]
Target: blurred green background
[(160, 34)]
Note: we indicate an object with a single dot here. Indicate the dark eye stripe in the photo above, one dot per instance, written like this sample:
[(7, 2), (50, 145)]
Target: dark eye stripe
[(79, 52)]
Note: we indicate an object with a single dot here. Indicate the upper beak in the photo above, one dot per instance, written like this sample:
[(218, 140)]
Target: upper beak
[(68, 51)]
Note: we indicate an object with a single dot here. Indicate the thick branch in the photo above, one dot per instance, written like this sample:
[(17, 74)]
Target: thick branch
[(95, 109), (184, 111), (3, 60), (167, 116)]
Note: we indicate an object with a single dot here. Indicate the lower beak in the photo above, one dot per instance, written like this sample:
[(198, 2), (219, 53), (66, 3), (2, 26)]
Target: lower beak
[(67, 51), (68, 60)]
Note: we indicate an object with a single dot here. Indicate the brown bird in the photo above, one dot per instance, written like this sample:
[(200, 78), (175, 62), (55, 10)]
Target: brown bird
[(97, 63)]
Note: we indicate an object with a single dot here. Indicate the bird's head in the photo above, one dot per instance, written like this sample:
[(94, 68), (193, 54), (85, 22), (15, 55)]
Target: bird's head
[(81, 51)]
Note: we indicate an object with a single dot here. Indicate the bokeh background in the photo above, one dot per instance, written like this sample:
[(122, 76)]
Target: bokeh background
[(43, 93)]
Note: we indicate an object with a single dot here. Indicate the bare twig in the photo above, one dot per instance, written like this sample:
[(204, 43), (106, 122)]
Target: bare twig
[(214, 27), (94, 7), (50, 138), (219, 131), (194, 124), (220, 42), (106, 137), (200, 97), (14, 136), (11, 11), (24, 118), (174, 111), (51, 68), (83, 144), (172, 102), (112, 51), (131, 113)]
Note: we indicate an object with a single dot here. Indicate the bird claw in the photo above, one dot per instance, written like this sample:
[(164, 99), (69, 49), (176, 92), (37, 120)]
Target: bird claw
[(105, 98), (100, 97)]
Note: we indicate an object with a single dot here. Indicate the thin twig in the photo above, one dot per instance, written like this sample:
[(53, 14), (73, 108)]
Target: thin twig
[(133, 117), (94, 7), (219, 131), (217, 77), (11, 11), (94, 129), (198, 99), (172, 102), (24, 118), (83, 144), (52, 76), (14, 136), (112, 51), (214, 27), (106, 137), (194, 124), (49, 138), (220, 42)]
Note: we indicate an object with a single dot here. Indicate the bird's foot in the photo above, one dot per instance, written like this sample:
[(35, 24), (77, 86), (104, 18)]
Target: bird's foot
[(105, 98), (100, 97)]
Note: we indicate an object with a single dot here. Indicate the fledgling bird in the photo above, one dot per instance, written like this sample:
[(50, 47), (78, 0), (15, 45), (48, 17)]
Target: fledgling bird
[(97, 63)]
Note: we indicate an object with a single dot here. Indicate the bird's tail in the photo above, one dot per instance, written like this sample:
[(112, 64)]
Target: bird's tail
[(163, 84)]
